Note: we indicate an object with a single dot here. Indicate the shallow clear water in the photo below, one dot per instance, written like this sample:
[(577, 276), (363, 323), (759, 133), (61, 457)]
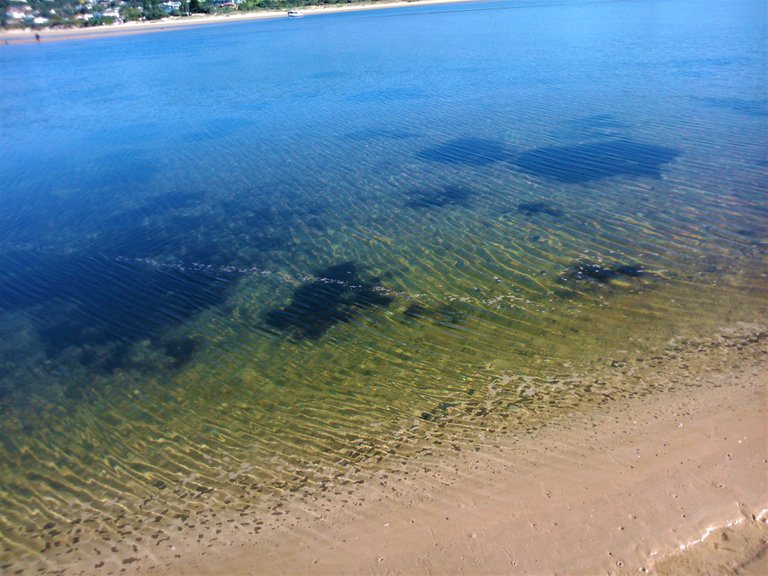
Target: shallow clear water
[(243, 256)]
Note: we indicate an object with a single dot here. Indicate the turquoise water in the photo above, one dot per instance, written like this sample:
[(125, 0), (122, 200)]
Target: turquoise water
[(255, 254)]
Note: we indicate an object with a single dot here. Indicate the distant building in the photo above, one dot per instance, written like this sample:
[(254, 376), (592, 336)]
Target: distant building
[(170, 6), (17, 10), (15, 14)]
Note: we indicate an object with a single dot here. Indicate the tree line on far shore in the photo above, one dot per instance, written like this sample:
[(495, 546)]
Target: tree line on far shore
[(67, 13)]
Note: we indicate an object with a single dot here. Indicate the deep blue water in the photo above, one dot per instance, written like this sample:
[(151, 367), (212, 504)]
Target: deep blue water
[(339, 219)]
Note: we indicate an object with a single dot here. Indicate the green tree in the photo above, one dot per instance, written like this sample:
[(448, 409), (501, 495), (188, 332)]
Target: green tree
[(152, 10), (199, 6), (4, 5), (131, 14)]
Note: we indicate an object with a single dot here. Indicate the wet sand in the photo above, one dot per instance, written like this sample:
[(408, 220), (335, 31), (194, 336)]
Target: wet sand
[(175, 23), (669, 482)]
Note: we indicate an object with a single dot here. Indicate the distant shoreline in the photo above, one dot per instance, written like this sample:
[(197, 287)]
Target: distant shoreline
[(27, 36)]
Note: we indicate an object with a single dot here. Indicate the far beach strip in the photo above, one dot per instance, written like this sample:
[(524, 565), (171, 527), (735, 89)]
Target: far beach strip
[(26, 36)]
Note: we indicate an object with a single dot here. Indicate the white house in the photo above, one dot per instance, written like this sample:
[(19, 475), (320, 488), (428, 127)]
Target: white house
[(14, 14), (171, 5)]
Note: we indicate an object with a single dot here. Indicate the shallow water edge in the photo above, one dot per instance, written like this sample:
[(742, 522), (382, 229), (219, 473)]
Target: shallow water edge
[(619, 489), (672, 387)]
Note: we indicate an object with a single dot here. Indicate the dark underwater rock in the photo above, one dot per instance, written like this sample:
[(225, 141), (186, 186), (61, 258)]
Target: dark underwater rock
[(596, 160), (633, 270), (602, 273), (448, 315), (415, 311), (450, 196), (748, 107), (87, 301), (532, 208), (334, 296), (594, 272)]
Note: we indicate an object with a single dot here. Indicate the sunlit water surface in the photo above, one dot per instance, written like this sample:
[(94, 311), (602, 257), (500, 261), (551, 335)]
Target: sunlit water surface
[(243, 258)]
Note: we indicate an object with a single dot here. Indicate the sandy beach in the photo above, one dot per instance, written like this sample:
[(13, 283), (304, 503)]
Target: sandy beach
[(27, 36), (671, 483)]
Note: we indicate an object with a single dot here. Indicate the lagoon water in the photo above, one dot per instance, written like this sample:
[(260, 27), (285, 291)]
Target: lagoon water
[(241, 260)]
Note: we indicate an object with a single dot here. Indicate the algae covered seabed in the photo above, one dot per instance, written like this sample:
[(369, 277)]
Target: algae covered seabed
[(263, 277)]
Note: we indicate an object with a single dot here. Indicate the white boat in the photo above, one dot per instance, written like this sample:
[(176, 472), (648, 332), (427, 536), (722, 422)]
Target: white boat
[(295, 14)]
